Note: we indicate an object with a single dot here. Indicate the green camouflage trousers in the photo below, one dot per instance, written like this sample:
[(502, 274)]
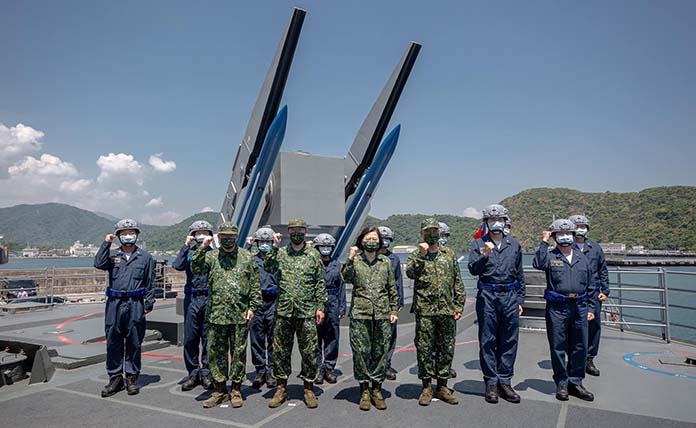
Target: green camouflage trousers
[(224, 339), (369, 340), (284, 333), (435, 336)]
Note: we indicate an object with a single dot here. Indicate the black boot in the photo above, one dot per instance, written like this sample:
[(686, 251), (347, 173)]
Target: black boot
[(190, 383), (320, 377), (391, 374), (207, 382), (492, 394), (507, 393), (591, 369), (580, 392), (329, 376), (451, 373), (132, 384), (115, 385), (562, 392), (259, 380), (270, 381)]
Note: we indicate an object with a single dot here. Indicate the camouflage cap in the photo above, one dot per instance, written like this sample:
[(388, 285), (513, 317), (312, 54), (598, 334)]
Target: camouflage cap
[(228, 228), (430, 223), (297, 222)]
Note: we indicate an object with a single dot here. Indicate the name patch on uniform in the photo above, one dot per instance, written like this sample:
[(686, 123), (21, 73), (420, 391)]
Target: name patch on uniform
[(116, 259), (556, 263)]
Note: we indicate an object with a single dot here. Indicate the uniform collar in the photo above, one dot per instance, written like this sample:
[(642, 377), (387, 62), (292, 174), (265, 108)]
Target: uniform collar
[(561, 256), (302, 250), (504, 243), (137, 252)]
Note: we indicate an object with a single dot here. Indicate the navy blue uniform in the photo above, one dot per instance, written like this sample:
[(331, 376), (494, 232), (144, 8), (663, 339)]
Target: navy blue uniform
[(130, 293), (501, 289), (261, 328), (396, 267), (600, 276), (195, 327), (329, 331), (568, 290)]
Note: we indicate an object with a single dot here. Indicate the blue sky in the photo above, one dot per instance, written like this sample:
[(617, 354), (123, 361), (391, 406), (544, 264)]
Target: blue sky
[(505, 96)]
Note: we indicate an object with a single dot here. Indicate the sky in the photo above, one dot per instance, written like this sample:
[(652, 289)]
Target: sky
[(137, 108)]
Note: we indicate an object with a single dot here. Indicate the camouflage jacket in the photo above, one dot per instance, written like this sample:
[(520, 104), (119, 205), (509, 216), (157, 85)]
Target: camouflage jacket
[(301, 287), (233, 284), (374, 293), (438, 288)]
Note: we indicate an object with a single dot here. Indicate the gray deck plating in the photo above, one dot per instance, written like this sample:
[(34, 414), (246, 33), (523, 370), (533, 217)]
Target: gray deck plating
[(626, 395)]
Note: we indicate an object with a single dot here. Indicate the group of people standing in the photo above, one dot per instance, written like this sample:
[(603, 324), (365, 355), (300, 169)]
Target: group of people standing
[(298, 290)]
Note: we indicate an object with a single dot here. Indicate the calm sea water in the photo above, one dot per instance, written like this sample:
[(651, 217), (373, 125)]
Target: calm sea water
[(679, 282)]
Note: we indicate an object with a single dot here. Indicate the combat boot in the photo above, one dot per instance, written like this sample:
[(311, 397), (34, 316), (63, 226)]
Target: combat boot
[(591, 369), (236, 399), (190, 383), (492, 394), (309, 398), (320, 378), (259, 380), (562, 392), (451, 373), (115, 385), (207, 382), (580, 392), (426, 395), (270, 381), (508, 394), (443, 393), (330, 376), (132, 384), (377, 398), (391, 374), (281, 394), (218, 396), (364, 396)]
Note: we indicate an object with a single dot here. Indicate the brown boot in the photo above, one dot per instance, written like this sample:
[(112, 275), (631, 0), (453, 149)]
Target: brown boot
[(426, 395), (236, 400), (218, 396), (309, 398), (281, 394), (443, 393), (364, 396), (377, 398)]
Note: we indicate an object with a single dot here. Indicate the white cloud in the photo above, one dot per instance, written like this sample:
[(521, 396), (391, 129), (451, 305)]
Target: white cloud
[(160, 165), (75, 186), (119, 166), (47, 165), (207, 210), (472, 212), (164, 218), (16, 142), (154, 202)]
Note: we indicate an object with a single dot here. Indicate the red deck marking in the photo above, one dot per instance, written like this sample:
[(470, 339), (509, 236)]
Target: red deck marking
[(68, 321)]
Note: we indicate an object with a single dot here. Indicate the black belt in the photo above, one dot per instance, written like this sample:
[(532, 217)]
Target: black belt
[(555, 297), (498, 287), (124, 294)]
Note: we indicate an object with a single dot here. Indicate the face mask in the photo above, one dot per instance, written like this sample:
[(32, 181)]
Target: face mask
[(386, 243), (297, 238), (200, 238), (227, 243), (128, 239), (496, 226), (581, 231), (371, 246), (264, 248), (325, 251), (506, 231), (431, 238), (442, 241), (564, 240)]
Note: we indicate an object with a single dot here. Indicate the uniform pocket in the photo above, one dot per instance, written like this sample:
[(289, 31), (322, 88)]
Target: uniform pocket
[(138, 272)]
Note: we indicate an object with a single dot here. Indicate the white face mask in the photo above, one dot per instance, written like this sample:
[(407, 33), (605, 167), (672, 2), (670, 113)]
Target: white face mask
[(325, 251), (386, 243), (581, 231), (506, 231), (564, 240), (496, 226), (128, 239), (200, 238)]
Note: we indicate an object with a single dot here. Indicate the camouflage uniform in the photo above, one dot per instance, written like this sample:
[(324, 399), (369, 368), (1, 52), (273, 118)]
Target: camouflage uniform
[(233, 280), (374, 299), (301, 292), (438, 295)]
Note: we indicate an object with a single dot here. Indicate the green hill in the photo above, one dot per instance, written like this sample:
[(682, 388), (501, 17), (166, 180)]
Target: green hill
[(658, 218)]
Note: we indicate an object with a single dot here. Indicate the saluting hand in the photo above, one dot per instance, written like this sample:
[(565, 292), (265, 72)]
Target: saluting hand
[(206, 241), (109, 237), (488, 248), (277, 237), (190, 239), (353, 252), (545, 236)]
